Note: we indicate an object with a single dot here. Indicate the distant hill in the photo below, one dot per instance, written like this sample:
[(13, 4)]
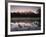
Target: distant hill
[(30, 14)]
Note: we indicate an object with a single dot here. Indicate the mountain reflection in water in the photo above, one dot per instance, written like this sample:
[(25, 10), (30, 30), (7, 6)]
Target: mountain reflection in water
[(25, 26)]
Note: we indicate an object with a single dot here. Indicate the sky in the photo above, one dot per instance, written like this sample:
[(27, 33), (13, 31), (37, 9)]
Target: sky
[(24, 9)]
